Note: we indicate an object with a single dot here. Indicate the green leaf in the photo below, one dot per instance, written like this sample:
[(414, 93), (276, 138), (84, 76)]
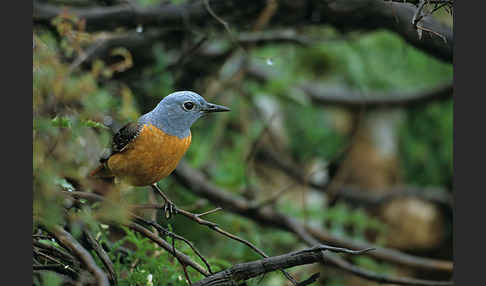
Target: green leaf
[(63, 122), (94, 124)]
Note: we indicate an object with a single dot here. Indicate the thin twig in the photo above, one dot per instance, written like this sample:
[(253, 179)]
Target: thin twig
[(162, 230), (433, 32), (216, 228), (197, 184), (186, 260), (55, 252), (210, 212), (273, 198), (105, 259), (221, 21), (48, 257), (417, 16), (85, 54), (153, 236), (65, 239)]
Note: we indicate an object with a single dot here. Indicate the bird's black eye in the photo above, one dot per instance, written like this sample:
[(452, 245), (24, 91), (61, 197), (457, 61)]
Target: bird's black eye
[(188, 105)]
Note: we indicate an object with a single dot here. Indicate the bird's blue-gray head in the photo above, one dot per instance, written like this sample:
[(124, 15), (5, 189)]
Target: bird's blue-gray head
[(176, 113)]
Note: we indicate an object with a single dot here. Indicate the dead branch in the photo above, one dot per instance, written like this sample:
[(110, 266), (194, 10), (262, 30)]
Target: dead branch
[(370, 275), (245, 271), (162, 230), (215, 227), (344, 14), (197, 184), (395, 16), (311, 236), (352, 194), (65, 239), (105, 259), (367, 198), (351, 99), (416, 2), (62, 265), (186, 260), (55, 252), (182, 258)]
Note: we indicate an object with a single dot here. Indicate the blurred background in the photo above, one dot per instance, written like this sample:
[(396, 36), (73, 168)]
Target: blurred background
[(339, 120)]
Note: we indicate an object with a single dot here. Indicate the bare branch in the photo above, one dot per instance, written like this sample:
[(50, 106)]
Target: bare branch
[(197, 184), (70, 243), (352, 99), (358, 196), (215, 227), (344, 14), (395, 16), (370, 275), (309, 235), (162, 230), (353, 194), (93, 243), (56, 252), (186, 260), (245, 271)]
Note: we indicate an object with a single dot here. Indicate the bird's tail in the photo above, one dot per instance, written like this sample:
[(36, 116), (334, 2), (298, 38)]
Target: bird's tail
[(101, 172)]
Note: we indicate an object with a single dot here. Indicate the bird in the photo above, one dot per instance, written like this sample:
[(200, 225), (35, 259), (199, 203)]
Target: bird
[(147, 150)]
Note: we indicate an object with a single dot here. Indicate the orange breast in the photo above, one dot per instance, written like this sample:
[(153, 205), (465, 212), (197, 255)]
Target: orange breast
[(153, 155)]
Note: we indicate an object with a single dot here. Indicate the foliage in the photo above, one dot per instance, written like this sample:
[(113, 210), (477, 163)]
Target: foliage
[(147, 263), (427, 156), (75, 110)]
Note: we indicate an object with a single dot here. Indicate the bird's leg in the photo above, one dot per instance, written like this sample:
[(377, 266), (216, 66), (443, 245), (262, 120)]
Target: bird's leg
[(169, 207)]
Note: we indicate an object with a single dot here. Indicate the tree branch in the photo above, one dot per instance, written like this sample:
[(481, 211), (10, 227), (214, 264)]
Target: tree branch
[(105, 259), (336, 261), (359, 196), (245, 271), (352, 99), (197, 184), (344, 14), (370, 275), (274, 219), (181, 257), (353, 194), (394, 16), (184, 259), (70, 243)]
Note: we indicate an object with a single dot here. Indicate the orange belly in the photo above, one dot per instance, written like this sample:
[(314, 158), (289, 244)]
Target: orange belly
[(152, 156)]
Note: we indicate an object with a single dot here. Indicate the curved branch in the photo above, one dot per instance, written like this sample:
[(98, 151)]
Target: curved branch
[(353, 194), (359, 196), (437, 39), (287, 223), (352, 99), (245, 271), (397, 17), (120, 15), (70, 243), (186, 260), (370, 275), (196, 183), (105, 259)]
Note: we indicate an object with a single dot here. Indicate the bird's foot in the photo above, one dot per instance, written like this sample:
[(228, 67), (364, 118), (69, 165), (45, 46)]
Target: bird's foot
[(170, 209)]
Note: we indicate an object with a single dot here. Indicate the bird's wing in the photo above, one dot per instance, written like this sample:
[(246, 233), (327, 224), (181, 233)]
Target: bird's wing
[(123, 138)]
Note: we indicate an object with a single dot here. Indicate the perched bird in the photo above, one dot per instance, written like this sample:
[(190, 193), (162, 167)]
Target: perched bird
[(148, 150)]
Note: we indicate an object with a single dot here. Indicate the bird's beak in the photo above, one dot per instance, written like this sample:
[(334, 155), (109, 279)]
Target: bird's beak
[(210, 107)]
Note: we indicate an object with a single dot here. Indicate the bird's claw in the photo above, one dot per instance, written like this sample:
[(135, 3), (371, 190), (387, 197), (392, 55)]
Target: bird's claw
[(170, 209)]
